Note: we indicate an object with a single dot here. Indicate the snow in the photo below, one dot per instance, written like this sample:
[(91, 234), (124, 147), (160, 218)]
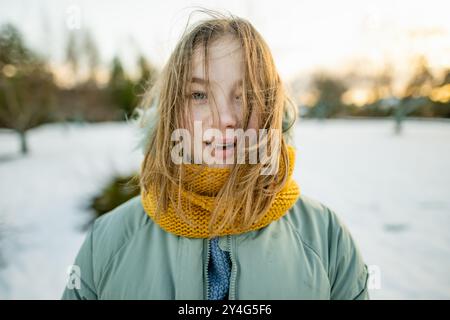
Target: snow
[(44, 197), (392, 192)]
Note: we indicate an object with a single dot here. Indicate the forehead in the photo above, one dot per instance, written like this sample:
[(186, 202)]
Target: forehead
[(225, 61)]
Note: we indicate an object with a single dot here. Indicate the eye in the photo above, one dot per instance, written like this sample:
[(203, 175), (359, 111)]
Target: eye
[(198, 96)]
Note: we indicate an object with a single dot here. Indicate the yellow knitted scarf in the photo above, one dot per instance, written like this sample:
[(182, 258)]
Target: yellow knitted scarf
[(205, 186)]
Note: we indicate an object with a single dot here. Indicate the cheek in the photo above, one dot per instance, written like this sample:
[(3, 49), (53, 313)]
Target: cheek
[(253, 122), (196, 114), (200, 114)]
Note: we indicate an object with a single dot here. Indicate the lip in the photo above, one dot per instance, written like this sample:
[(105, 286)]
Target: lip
[(224, 149), (223, 145), (222, 142)]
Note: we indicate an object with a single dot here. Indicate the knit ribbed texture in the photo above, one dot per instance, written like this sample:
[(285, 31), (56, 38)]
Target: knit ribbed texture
[(198, 204), (219, 271)]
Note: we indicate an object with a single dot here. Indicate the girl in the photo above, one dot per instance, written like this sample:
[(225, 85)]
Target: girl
[(207, 226)]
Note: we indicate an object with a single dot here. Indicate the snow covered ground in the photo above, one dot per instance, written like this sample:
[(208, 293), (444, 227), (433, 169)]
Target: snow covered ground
[(43, 200), (393, 193)]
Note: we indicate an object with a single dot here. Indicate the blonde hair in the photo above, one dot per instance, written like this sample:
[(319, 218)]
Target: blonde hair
[(164, 109)]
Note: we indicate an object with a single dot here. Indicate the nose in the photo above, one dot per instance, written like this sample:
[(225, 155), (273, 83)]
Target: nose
[(225, 117)]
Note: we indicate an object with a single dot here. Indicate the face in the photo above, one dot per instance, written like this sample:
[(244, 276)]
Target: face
[(224, 110)]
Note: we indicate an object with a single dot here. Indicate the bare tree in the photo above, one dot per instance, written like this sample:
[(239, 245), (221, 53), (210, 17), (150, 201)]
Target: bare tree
[(329, 92), (26, 86), (73, 53), (415, 93), (91, 55), (148, 74)]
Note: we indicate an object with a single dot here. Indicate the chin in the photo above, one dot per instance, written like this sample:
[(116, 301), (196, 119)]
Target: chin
[(215, 165)]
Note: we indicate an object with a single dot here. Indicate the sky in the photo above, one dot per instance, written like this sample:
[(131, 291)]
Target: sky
[(304, 36)]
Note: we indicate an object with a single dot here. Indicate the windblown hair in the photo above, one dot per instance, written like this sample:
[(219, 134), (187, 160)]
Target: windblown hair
[(247, 194)]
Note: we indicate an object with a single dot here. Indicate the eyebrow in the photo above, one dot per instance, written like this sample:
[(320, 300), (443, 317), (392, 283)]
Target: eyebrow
[(203, 81)]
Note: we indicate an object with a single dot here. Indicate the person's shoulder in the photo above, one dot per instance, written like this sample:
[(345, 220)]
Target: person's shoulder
[(316, 223), (107, 235), (321, 230), (113, 229), (308, 213)]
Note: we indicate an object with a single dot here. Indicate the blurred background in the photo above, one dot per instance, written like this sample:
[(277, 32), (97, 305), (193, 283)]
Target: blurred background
[(371, 80)]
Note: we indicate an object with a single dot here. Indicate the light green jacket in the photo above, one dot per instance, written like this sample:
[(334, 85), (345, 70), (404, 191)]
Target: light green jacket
[(306, 254)]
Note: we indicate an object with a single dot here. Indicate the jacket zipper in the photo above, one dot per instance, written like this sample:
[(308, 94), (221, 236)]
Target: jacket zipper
[(232, 294), (208, 254)]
